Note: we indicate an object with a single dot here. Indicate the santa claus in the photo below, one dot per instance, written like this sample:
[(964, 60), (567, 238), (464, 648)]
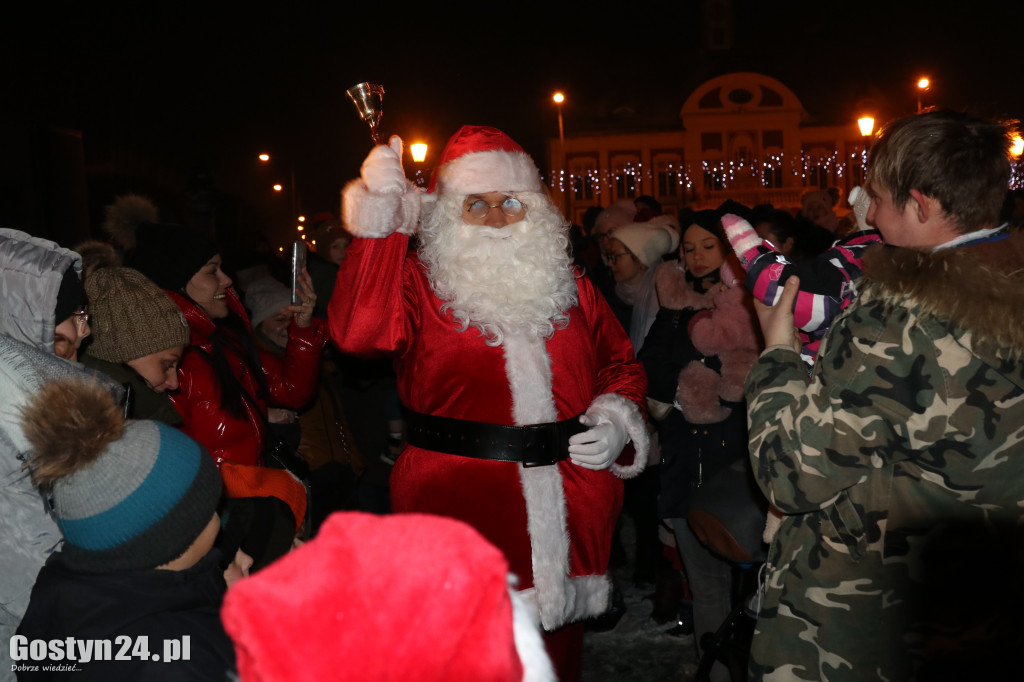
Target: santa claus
[(519, 386)]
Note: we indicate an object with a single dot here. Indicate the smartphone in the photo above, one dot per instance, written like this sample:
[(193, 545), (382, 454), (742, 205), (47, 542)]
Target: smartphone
[(299, 252)]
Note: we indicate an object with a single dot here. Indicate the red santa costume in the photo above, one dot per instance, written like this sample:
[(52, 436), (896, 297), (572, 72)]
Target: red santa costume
[(494, 327)]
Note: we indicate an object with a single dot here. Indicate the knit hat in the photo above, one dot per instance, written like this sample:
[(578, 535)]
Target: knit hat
[(385, 598), (618, 214), (127, 495), (479, 159), (170, 255), (131, 317), (651, 240), (265, 297)]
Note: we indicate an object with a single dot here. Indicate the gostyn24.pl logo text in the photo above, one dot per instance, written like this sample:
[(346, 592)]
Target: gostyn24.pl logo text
[(72, 650)]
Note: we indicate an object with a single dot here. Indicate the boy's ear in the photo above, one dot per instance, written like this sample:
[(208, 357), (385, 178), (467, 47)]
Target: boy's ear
[(925, 206)]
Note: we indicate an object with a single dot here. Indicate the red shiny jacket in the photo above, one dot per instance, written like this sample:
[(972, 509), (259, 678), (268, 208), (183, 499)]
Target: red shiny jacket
[(292, 381)]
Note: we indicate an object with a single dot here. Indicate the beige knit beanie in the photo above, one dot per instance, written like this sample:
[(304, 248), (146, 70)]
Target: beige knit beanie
[(130, 316), (651, 240)]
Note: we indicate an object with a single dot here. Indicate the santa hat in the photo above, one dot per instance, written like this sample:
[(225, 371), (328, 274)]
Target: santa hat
[(398, 597), (651, 240), (479, 159)]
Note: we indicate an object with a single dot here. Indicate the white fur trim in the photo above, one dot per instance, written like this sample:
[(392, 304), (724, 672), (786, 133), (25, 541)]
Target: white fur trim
[(528, 368), (529, 644), (629, 415), (490, 171), (373, 215), (586, 596)]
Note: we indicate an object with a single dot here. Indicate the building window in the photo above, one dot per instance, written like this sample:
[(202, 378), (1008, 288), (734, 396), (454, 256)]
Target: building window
[(625, 185), (668, 183), (714, 180), (817, 176), (583, 188), (583, 172), (772, 177)]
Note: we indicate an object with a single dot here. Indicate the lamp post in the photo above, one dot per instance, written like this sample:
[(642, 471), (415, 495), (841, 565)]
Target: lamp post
[(866, 125), (922, 84), (559, 98), (418, 150)]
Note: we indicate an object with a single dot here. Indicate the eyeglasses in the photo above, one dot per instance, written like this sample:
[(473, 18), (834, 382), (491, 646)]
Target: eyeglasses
[(81, 317), (610, 258), (479, 208)]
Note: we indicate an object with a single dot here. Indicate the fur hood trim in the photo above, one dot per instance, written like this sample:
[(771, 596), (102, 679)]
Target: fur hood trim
[(674, 291), (979, 289)]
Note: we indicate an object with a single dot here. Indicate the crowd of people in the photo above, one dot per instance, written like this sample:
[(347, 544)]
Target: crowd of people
[(412, 463)]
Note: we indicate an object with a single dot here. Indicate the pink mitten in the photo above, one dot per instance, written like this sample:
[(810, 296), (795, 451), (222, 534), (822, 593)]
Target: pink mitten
[(742, 237)]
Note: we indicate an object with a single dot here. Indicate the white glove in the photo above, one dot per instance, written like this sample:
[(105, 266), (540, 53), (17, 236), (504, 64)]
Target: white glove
[(598, 447), (382, 170), (860, 202)]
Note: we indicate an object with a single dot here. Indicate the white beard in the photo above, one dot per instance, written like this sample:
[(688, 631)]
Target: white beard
[(517, 279)]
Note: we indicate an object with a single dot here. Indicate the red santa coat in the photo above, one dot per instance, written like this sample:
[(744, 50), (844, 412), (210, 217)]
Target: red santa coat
[(554, 523)]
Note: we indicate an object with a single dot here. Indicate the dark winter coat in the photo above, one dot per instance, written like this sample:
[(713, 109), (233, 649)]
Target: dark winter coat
[(158, 604)]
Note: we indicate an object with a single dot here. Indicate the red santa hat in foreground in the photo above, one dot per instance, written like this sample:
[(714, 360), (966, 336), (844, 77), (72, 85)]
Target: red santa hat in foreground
[(480, 159), (399, 597)]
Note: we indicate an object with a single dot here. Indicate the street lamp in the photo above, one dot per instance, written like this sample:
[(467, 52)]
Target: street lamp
[(264, 157), (559, 98), (866, 125), (922, 84), (1017, 146), (418, 150)]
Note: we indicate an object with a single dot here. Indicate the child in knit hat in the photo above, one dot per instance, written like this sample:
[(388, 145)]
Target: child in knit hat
[(138, 338), (136, 503), (828, 282)]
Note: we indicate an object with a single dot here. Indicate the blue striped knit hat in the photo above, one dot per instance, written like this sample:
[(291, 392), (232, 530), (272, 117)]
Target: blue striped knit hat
[(126, 495)]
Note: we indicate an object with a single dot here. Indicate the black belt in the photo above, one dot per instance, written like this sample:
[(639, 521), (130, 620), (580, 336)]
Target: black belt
[(532, 445)]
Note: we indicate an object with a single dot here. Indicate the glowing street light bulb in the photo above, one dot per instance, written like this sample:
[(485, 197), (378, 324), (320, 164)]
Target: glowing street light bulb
[(923, 83), (300, 228), (866, 125), (264, 157), (278, 188), (418, 151), (559, 98), (302, 218), (1017, 146)]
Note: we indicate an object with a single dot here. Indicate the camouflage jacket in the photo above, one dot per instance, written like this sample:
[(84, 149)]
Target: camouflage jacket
[(900, 468)]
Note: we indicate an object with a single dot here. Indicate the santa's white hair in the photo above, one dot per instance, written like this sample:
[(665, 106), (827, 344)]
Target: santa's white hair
[(518, 278)]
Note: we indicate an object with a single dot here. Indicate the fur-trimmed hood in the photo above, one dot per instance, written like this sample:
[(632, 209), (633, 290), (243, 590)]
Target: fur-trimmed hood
[(978, 289)]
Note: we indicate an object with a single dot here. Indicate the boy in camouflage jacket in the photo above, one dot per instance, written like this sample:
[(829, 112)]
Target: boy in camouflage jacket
[(900, 465)]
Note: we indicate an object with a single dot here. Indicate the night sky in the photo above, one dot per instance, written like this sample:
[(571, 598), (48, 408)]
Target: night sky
[(200, 89)]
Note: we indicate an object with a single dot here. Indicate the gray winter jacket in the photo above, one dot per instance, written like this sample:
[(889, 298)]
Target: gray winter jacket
[(31, 271)]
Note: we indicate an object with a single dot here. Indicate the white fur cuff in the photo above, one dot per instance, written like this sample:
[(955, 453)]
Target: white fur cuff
[(629, 415), (368, 214)]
